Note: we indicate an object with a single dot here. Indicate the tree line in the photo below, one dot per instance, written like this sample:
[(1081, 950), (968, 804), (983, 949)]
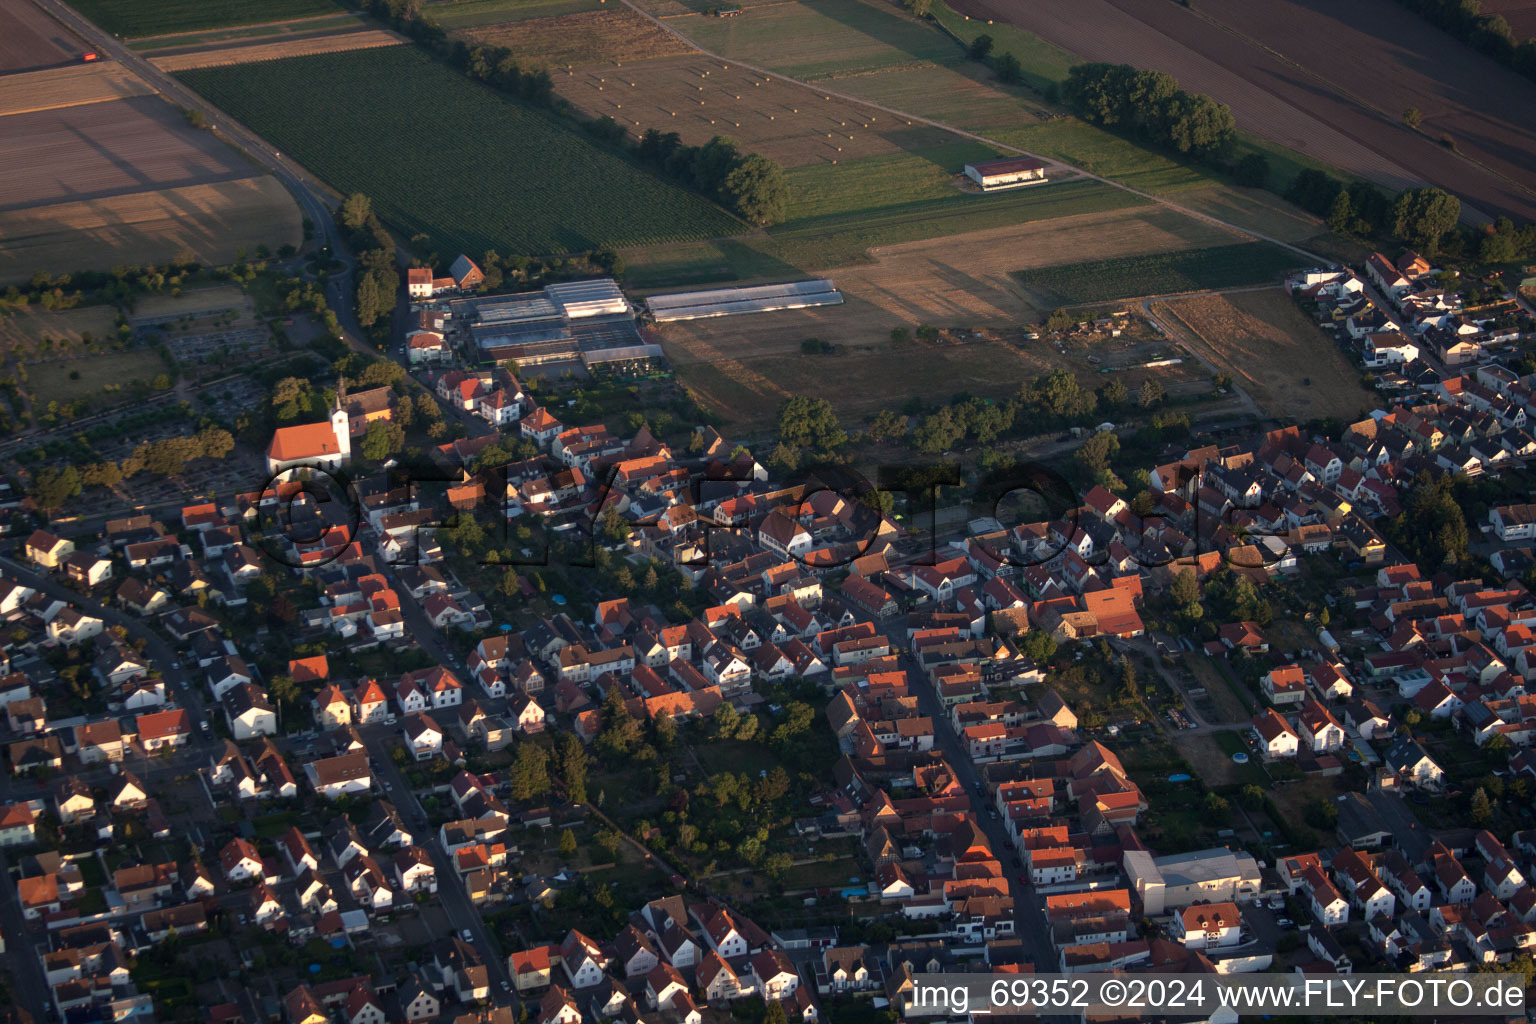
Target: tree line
[(52, 486), (378, 273), (1489, 33), (748, 184), (1150, 106)]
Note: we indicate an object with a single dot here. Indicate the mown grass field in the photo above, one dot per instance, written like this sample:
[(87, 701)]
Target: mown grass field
[(828, 39), (821, 241), (473, 170), (1220, 266), (132, 18), (819, 190), (1044, 64)]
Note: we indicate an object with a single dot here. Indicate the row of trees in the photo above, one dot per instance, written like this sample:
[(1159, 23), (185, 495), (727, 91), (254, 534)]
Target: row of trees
[(1420, 217), (378, 274), (748, 184), (1489, 33), (52, 486), (1150, 106)]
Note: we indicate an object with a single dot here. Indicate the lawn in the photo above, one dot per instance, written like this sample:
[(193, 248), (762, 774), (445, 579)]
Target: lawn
[(1219, 266), (52, 382), (479, 171), (818, 190), (132, 18)]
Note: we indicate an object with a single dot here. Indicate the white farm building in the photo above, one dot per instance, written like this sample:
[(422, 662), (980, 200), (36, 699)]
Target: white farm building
[(730, 301), (1008, 172)]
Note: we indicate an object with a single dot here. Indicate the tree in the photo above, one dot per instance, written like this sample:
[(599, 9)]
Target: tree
[(567, 843), (284, 690), (1412, 118), (887, 425), (610, 841), (1038, 646), (1481, 808), (52, 486), (1008, 69), (757, 190), (773, 1013), (1060, 320), (1113, 394), (621, 730), (1216, 805), (1341, 215), (980, 47), (356, 211), (1420, 216), (810, 423), (1058, 394), (1095, 453), (1185, 589), (1252, 171), (530, 772), (572, 766), (919, 7), (382, 440), (1150, 394), (726, 720)]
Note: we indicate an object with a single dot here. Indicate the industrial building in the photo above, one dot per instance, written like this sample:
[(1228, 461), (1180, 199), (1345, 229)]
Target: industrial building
[(590, 321), (730, 301), (1008, 172), (1171, 883)]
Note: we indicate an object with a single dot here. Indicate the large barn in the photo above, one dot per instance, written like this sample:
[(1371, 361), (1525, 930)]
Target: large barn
[(561, 322), (1008, 172)]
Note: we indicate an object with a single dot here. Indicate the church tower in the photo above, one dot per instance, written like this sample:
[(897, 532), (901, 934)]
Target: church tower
[(341, 424)]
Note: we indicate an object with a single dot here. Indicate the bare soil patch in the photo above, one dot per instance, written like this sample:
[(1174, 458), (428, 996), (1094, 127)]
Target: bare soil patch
[(34, 40), (700, 98), (248, 53), (1271, 350), (586, 37), (98, 150), (1328, 80), (69, 87), (211, 221), (744, 367)]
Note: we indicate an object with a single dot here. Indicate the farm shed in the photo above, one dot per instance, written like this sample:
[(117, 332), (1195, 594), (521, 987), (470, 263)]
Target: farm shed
[(1008, 172), (729, 301), (558, 322)]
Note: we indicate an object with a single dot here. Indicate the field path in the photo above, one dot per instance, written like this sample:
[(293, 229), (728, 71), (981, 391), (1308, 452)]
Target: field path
[(974, 137)]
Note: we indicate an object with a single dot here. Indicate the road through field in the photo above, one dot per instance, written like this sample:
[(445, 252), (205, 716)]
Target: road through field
[(1323, 79)]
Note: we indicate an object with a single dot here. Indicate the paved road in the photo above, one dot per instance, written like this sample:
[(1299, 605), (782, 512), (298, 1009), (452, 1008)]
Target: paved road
[(28, 982), (182, 682), (450, 890)]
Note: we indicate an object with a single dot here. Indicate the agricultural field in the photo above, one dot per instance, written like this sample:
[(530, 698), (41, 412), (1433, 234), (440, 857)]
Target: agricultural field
[(1255, 210), (826, 40), (1160, 273), (68, 87), (603, 37), (1331, 85), (355, 38), (134, 18), (823, 190), (33, 40), (247, 33), (745, 366), (477, 175), (459, 14), (135, 144), (154, 226), (803, 245), (22, 331), (95, 172), (1271, 350), (700, 98)]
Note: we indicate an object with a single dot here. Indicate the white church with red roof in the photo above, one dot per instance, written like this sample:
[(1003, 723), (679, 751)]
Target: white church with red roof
[(326, 445)]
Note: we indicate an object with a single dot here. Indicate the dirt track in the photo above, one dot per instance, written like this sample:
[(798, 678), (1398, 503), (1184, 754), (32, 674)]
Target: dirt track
[(1300, 73)]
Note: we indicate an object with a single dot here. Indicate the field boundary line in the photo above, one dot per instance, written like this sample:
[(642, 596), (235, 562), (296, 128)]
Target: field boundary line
[(255, 24), (1000, 146)]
